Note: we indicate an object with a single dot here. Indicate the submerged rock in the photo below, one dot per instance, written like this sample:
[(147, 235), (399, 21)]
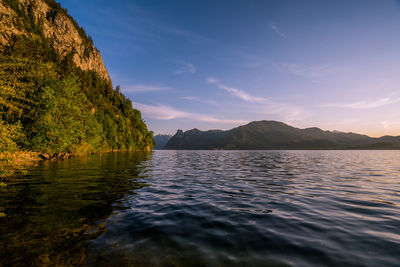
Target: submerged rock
[(45, 156), (55, 156)]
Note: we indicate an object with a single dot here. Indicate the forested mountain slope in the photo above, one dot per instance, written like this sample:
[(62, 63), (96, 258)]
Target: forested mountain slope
[(55, 92)]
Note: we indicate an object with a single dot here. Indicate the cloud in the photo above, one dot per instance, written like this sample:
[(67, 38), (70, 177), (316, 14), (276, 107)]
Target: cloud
[(145, 25), (386, 125), (192, 37), (305, 71), (191, 98), (277, 31), (143, 88), (160, 112), (185, 68), (390, 125), (312, 73), (200, 100), (239, 93), (163, 112), (263, 105), (364, 104)]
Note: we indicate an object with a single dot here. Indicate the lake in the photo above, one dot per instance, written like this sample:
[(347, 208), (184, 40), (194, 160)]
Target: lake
[(206, 208)]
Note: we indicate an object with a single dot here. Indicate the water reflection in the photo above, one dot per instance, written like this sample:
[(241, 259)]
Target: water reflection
[(258, 208), (58, 206), (207, 208)]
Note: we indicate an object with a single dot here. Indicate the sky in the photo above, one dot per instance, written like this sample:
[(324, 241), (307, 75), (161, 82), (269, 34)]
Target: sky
[(220, 64)]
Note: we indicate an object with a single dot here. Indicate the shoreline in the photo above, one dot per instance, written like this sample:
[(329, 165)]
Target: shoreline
[(21, 157), (15, 163)]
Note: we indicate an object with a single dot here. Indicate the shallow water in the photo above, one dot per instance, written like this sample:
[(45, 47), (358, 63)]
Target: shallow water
[(206, 208)]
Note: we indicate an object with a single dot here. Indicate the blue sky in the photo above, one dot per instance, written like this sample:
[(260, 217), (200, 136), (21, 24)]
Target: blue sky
[(219, 64)]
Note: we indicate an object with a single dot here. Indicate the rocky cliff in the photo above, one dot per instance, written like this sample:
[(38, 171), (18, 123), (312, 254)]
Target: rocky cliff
[(62, 32)]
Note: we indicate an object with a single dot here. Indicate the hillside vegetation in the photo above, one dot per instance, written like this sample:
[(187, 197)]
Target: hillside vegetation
[(48, 104)]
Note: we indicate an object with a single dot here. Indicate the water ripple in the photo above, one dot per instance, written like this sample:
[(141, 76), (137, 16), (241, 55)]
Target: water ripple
[(262, 208), (208, 208)]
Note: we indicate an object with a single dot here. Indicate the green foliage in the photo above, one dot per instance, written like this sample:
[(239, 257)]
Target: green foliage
[(63, 119), (123, 126), (19, 79), (63, 111), (48, 104), (31, 48), (9, 136)]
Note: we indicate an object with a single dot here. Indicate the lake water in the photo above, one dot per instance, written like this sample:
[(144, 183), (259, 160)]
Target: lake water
[(206, 208)]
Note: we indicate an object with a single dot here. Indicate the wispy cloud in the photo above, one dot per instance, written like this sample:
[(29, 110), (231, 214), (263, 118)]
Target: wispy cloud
[(199, 100), (190, 98), (364, 104), (313, 73), (306, 71), (143, 88), (264, 105), (185, 67), (160, 112), (239, 93), (390, 125), (185, 35), (145, 25), (277, 30), (164, 112), (386, 124)]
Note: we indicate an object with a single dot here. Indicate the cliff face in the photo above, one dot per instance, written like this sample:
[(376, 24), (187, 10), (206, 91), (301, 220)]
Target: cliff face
[(63, 34)]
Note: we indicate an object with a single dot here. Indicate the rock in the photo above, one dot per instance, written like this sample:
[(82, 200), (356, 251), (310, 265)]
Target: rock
[(46, 156), (62, 155), (55, 156), (60, 30)]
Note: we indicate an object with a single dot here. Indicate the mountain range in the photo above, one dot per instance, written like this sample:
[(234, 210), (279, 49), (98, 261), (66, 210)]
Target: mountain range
[(260, 135)]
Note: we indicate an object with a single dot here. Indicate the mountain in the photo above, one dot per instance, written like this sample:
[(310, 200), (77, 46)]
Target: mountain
[(55, 91), (160, 140), (276, 135)]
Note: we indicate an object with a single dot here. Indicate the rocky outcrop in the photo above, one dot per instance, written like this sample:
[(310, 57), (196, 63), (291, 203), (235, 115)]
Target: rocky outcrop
[(55, 156), (63, 33)]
